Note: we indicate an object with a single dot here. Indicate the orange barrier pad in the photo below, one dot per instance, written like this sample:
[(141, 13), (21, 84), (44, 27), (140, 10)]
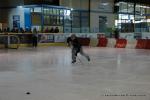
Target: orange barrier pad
[(102, 42), (121, 43), (141, 44)]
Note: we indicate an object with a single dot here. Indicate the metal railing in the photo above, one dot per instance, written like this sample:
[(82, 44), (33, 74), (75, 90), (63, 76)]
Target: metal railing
[(10, 41)]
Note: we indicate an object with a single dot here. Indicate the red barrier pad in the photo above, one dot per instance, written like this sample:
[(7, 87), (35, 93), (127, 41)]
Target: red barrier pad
[(84, 41), (141, 44), (121, 43), (102, 42), (148, 44)]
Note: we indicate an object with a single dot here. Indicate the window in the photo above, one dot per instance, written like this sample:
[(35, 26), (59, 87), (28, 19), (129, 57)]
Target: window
[(51, 11), (123, 7), (137, 9), (46, 20), (61, 12), (45, 11), (54, 11), (148, 10), (84, 22), (75, 19), (130, 8), (37, 9), (132, 19)]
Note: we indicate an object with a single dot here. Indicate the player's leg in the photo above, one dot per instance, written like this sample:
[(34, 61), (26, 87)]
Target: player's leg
[(36, 41), (84, 54), (74, 54), (33, 41)]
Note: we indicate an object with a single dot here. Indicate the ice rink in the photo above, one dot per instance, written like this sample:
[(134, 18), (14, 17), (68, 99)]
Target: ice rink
[(47, 73)]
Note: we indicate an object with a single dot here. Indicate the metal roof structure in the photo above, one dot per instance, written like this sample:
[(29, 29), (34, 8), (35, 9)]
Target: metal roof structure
[(10, 3), (14, 3)]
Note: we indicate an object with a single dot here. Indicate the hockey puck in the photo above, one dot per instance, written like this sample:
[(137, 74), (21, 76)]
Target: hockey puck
[(28, 93)]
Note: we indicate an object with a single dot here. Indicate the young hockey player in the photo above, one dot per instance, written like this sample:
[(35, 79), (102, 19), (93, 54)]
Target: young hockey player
[(73, 42)]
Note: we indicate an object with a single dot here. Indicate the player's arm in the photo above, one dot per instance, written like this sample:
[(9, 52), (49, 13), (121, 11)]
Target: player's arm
[(68, 42)]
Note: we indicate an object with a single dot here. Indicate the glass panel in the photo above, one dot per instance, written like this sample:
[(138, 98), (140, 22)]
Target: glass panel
[(45, 11), (51, 20), (76, 14), (46, 20), (67, 12), (123, 16), (58, 20), (76, 22), (137, 9), (131, 17), (62, 12), (67, 29), (86, 14), (84, 22), (130, 8), (143, 10), (32, 9), (57, 11), (129, 22), (37, 9), (125, 23), (123, 7), (67, 21), (147, 10), (76, 30), (50, 11), (61, 20), (54, 11), (54, 20)]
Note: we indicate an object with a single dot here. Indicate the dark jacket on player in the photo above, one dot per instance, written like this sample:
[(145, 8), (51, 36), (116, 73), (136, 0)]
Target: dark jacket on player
[(75, 43)]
